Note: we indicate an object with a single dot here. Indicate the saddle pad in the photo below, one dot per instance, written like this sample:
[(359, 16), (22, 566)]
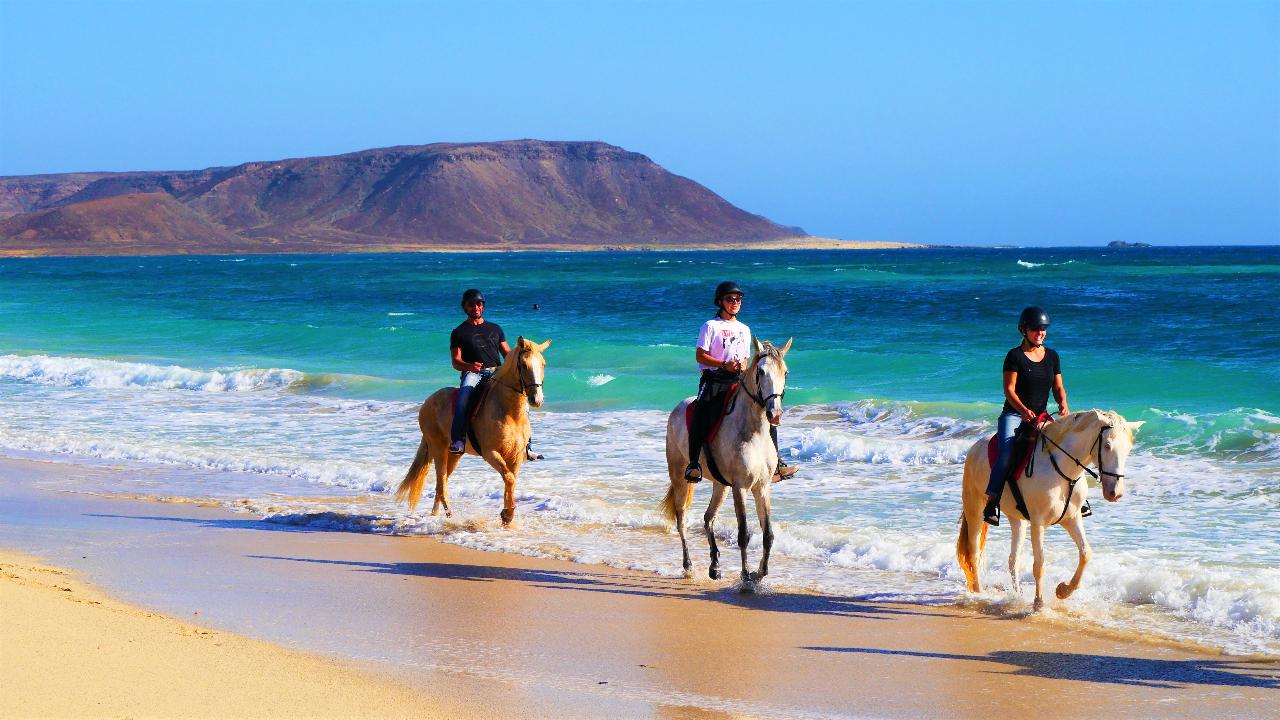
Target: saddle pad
[(993, 449), (715, 428)]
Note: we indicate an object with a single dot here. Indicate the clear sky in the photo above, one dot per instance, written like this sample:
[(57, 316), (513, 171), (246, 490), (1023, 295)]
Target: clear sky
[(1032, 123)]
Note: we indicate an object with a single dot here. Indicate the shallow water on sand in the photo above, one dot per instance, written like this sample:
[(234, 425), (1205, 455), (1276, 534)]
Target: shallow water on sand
[(292, 382)]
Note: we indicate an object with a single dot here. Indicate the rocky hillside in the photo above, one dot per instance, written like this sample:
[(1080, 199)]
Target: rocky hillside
[(523, 194)]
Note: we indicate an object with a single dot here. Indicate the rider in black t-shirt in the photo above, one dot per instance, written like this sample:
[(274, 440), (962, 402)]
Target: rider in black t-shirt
[(477, 347), (1031, 372)]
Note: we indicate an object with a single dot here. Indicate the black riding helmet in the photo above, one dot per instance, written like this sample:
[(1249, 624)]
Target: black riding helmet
[(1033, 317), (472, 295), (725, 288)]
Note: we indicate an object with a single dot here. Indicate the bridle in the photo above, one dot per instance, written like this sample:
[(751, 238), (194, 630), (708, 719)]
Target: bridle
[(1097, 442), (525, 385), (762, 400)]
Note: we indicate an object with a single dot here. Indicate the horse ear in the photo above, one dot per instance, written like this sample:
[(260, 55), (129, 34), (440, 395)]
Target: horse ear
[(755, 345), (543, 347), (1135, 425), (521, 342), (786, 347)]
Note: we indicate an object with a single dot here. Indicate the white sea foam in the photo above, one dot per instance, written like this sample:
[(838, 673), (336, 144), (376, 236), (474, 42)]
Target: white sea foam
[(1026, 264), (600, 379), (400, 314), (94, 373)]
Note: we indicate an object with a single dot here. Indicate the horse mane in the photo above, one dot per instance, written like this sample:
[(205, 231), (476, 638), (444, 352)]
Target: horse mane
[(1073, 422)]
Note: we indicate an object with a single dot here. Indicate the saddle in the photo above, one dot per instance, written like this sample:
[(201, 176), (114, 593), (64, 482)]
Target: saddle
[(1024, 440), (473, 406)]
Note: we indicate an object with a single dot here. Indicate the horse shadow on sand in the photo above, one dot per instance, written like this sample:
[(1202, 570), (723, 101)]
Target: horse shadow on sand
[(1116, 670), (627, 584), (873, 606)]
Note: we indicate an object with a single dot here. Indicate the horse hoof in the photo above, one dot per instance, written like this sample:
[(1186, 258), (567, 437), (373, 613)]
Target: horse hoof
[(1064, 591), (507, 516), (688, 573), (1038, 605), (714, 573)]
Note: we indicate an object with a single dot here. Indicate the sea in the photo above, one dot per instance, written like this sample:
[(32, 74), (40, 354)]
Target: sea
[(286, 387)]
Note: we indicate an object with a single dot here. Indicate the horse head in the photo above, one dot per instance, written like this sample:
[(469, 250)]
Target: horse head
[(769, 375), (530, 368), (1115, 441)]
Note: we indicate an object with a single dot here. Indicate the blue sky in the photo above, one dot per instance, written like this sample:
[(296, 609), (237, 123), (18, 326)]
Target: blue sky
[(1033, 123)]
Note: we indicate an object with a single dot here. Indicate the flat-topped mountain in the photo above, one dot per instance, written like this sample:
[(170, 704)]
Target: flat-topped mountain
[(523, 194)]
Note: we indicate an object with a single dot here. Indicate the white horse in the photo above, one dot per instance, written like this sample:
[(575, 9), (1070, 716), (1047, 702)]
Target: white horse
[(744, 453), (1053, 493)]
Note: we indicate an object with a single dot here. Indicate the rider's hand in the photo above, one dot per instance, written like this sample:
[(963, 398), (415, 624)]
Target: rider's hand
[(477, 366), (730, 365), (1063, 411), (1029, 416)]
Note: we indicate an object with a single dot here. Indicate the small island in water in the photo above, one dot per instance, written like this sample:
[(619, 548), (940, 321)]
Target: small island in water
[(514, 195), (1123, 244)]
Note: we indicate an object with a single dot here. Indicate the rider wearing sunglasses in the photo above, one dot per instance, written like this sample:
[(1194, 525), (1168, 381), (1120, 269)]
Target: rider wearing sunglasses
[(724, 346), (1031, 372), (477, 348)]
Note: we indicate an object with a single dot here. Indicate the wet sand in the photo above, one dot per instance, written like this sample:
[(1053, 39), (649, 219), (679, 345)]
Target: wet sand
[(512, 636)]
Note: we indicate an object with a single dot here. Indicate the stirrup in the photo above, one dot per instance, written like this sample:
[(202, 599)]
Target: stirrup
[(693, 472), (1085, 510), (784, 471), (991, 513), (457, 447)]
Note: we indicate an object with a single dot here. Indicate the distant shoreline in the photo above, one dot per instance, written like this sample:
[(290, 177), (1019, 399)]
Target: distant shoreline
[(803, 243)]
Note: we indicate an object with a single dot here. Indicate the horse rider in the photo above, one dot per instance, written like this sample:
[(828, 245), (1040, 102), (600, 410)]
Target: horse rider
[(477, 347), (724, 347), (1031, 371)]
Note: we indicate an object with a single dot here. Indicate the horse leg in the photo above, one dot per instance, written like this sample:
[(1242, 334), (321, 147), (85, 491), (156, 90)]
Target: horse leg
[(678, 497), (971, 542), (1074, 525), (764, 512), (709, 524), (1017, 531), (744, 533), (444, 468), (1037, 566), (508, 513)]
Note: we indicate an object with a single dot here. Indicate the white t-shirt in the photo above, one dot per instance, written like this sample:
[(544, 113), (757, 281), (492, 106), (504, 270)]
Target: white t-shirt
[(725, 340)]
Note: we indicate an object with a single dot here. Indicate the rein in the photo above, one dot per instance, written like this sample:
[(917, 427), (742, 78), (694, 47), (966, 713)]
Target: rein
[(1071, 481)]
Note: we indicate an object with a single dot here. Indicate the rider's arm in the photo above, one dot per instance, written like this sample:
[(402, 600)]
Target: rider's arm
[(1060, 394), (504, 348), (461, 366), (1011, 380), (705, 358)]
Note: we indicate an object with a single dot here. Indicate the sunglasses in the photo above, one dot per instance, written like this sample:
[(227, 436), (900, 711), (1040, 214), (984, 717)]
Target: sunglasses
[(1037, 328), (737, 299), (475, 303)]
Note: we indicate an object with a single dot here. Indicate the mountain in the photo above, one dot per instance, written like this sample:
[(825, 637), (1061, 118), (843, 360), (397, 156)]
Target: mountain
[(523, 194)]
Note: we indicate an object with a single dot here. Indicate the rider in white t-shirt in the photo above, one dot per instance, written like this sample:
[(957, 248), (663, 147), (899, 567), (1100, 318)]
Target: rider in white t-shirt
[(724, 348)]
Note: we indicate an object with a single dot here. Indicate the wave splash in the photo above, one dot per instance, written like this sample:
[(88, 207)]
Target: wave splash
[(113, 374)]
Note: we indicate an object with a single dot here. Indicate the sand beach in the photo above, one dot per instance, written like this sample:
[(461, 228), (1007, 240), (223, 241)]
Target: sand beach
[(121, 607)]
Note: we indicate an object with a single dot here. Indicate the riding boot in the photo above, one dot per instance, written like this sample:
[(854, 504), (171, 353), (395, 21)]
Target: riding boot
[(991, 513), (1085, 510), (783, 471)]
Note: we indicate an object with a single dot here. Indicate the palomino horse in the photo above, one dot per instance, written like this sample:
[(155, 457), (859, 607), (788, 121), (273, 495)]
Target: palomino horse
[(742, 450), (501, 426), (1053, 494)]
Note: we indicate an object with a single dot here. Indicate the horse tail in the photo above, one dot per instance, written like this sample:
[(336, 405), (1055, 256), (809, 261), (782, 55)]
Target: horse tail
[(668, 505), (965, 551), (411, 487)]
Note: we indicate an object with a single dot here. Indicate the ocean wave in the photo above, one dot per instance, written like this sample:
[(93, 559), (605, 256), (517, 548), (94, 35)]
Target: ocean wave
[(1026, 264), (600, 379), (834, 445), (113, 374)]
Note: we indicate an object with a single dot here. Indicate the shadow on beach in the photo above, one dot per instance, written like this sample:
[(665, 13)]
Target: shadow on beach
[(626, 584), (1143, 672)]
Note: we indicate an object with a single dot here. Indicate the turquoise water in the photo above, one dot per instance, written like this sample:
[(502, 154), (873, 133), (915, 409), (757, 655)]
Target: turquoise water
[(263, 381)]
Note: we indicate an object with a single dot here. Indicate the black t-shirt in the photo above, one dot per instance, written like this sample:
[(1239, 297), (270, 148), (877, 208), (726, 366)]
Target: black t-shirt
[(1035, 379), (479, 343)]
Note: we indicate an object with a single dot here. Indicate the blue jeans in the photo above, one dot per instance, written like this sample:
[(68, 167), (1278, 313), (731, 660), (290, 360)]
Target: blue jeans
[(458, 430), (1006, 426)]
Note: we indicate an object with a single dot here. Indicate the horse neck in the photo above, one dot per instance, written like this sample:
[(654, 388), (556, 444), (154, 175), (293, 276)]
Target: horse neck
[(1079, 436), (507, 381), (746, 410)]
